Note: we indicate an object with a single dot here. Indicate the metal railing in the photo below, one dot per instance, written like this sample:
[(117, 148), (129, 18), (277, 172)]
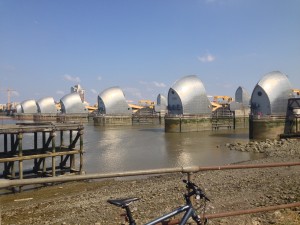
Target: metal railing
[(188, 170)]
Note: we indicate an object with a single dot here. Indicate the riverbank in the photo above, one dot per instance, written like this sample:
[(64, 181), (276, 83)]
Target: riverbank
[(85, 202)]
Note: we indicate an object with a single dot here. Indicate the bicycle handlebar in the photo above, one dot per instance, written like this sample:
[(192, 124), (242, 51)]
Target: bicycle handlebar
[(195, 190)]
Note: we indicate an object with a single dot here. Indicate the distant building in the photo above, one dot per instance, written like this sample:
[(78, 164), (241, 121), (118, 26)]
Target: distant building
[(78, 89), (242, 96), (188, 96), (271, 94), (162, 104), (112, 102), (241, 101)]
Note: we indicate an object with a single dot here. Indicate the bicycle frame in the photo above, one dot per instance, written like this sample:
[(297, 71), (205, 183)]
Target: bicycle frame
[(188, 209)]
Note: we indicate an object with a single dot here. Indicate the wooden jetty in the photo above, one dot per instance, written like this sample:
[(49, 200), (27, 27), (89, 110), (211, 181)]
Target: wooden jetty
[(49, 152)]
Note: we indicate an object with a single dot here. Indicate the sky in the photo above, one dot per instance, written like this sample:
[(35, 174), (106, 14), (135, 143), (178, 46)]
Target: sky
[(144, 46)]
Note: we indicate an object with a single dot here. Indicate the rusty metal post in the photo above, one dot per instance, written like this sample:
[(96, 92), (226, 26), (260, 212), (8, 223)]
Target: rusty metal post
[(189, 176), (252, 211)]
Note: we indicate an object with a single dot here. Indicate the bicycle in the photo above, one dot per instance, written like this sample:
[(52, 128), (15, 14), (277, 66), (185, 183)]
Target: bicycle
[(188, 208)]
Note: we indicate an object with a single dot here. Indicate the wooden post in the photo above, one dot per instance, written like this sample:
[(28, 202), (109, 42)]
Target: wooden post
[(20, 154), (12, 142), (43, 151), (81, 151), (53, 135), (5, 172), (72, 157), (61, 144), (35, 165), (234, 121)]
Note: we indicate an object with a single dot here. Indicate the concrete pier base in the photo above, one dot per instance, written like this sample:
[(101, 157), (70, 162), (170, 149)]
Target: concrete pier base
[(147, 120), (72, 117), (105, 120), (266, 127), (178, 124), (24, 116), (45, 117)]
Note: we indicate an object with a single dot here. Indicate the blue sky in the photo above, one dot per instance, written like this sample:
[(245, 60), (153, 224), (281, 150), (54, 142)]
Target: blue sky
[(144, 46)]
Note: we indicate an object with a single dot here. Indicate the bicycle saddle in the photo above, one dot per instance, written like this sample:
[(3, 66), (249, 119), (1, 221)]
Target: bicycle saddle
[(122, 202)]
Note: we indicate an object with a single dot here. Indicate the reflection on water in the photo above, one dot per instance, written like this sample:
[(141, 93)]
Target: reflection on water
[(111, 149), (117, 149)]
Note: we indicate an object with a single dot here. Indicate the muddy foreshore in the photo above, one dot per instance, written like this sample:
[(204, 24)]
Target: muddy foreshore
[(85, 202)]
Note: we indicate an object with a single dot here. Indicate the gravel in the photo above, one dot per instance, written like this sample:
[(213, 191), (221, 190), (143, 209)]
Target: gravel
[(229, 190)]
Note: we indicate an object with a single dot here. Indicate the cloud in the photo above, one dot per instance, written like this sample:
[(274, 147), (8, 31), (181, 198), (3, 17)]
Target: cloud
[(72, 79), (133, 92), (15, 93), (153, 84), (207, 58), (158, 84), (94, 91), (60, 92)]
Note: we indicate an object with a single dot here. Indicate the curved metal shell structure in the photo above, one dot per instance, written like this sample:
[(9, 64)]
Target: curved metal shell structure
[(71, 103), (19, 108), (271, 94), (29, 106), (242, 96), (112, 101), (46, 105), (188, 96)]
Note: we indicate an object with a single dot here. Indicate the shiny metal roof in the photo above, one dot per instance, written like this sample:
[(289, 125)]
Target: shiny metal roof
[(188, 93), (46, 105), (29, 106), (71, 103), (271, 94), (19, 108), (112, 101)]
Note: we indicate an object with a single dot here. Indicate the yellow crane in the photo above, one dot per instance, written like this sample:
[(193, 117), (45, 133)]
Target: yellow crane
[(222, 99), (147, 103), (296, 91)]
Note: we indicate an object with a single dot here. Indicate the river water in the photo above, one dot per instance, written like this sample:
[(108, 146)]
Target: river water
[(110, 149), (119, 149)]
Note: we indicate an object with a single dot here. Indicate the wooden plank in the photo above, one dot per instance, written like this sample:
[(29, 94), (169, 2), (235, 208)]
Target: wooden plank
[(45, 155)]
